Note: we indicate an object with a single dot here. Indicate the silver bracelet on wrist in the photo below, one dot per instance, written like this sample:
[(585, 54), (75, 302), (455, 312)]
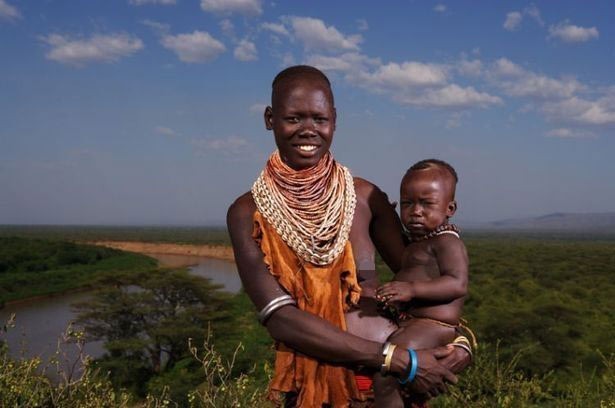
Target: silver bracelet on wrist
[(274, 305)]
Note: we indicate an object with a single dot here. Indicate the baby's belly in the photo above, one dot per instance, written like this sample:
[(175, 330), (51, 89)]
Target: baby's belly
[(444, 313), (366, 322)]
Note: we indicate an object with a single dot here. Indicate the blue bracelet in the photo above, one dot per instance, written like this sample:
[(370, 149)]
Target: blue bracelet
[(414, 365)]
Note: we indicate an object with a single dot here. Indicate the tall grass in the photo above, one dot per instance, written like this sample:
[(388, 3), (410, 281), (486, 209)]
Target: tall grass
[(489, 382)]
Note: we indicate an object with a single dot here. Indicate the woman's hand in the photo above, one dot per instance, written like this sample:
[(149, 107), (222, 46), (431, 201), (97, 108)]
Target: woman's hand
[(431, 376)]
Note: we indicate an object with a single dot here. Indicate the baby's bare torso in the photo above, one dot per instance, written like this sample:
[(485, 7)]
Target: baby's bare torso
[(420, 263)]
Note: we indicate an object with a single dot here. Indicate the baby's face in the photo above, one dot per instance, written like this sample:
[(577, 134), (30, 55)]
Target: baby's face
[(426, 200)]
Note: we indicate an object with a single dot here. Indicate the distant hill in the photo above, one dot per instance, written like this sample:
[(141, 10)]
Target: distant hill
[(565, 222)]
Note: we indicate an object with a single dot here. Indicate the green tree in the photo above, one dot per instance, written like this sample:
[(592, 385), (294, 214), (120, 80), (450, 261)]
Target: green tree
[(146, 319)]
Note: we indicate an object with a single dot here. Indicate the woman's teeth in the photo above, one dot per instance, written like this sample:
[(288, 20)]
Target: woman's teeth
[(307, 148)]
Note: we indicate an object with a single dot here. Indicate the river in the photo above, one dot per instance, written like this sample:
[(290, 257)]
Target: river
[(41, 322)]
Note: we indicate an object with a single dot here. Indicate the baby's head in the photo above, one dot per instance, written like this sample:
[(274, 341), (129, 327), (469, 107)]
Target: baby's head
[(427, 198)]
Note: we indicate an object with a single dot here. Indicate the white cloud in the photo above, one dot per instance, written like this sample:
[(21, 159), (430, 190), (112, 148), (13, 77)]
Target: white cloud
[(362, 24), (541, 86), (245, 51), (198, 46), (288, 59), (451, 96), (407, 74), (440, 8), (519, 82), (470, 68), (98, 48), (570, 33), (159, 28), (350, 62), (600, 112), (144, 2), (409, 83), (565, 133), (315, 35), (505, 67), (454, 120), (231, 145), (275, 28), (8, 12), (513, 19), (245, 7), (534, 13), (165, 131), (227, 27), (257, 108)]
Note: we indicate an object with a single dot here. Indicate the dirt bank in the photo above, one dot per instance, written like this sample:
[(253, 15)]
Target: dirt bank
[(211, 251)]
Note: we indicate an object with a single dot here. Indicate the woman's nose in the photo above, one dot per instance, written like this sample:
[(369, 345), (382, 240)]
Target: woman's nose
[(307, 127)]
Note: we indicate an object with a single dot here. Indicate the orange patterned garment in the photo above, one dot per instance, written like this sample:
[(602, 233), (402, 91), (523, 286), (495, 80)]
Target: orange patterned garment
[(325, 291)]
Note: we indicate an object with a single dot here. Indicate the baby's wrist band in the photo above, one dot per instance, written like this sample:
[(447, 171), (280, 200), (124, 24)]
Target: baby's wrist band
[(464, 343), (274, 305), (414, 365)]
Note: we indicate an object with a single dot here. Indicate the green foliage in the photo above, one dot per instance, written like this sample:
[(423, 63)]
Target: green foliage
[(145, 320), (32, 267), (549, 305), (23, 383), (492, 381), (553, 299), (221, 387)]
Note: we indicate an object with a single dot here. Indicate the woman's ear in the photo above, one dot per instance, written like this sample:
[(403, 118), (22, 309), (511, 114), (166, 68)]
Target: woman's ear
[(268, 116)]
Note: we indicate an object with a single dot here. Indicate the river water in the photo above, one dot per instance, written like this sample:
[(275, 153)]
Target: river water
[(41, 322)]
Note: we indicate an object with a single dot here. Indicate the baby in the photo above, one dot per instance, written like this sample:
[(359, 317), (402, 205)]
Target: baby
[(426, 296)]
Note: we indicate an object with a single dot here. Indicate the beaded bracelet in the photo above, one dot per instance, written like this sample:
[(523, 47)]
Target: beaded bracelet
[(414, 365)]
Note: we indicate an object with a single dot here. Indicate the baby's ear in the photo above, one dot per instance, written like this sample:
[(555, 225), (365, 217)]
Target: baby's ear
[(451, 208)]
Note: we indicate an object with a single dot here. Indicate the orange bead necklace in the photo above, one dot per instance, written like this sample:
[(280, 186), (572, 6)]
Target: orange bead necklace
[(311, 209)]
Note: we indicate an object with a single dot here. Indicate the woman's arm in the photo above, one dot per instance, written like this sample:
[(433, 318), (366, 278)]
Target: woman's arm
[(305, 332)]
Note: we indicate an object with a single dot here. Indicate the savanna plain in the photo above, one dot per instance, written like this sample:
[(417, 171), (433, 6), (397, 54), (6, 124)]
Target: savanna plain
[(542, 307)]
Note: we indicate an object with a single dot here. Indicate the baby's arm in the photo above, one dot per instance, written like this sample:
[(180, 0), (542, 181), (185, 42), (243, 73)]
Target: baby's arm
[(452, 259)]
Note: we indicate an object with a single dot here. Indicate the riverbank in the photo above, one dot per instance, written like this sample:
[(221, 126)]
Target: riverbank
[(30, 268), (148, 248)]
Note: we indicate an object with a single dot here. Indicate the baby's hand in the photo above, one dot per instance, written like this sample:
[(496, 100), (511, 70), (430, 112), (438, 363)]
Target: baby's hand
[(395, 292)]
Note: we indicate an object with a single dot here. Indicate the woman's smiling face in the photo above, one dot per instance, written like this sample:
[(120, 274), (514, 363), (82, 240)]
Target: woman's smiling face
[(303, 121)]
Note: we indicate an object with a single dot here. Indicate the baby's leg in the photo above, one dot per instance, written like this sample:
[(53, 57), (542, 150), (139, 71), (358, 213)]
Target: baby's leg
[(417, 334)]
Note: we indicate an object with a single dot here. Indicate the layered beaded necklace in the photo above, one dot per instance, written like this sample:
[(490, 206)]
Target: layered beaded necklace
[(442, 229), (311, 209)]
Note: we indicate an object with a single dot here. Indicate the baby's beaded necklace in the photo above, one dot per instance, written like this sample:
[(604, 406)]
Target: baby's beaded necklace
[(442, 229)]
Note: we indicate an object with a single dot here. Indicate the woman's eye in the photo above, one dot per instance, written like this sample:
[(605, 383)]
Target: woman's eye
[(292, 119)]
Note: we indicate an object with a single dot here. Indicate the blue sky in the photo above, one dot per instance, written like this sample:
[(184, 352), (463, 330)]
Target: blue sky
[(150, 111)]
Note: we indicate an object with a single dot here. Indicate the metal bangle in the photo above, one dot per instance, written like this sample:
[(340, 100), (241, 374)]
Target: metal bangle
[(385, 351), (386, 367), (274, 305), (466, 347)]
